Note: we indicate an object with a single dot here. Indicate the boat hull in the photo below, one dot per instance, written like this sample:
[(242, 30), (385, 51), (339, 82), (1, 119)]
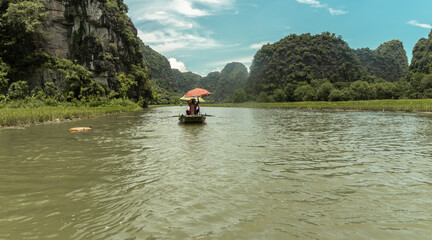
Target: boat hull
[(192, 118)]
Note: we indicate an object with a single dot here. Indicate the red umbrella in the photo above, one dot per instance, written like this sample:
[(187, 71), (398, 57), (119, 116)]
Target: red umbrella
[(197, 92)]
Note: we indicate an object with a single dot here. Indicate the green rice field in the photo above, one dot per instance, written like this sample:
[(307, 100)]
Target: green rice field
[(402, 105), (13, 116)]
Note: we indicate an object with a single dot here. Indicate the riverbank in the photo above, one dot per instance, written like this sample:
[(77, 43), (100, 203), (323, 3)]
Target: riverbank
[(400, 105), (13, 115)]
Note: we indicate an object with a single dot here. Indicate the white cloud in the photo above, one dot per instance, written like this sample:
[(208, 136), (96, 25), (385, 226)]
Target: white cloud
[(177, 65), (257, 45), (318, 4), (422, 25), (313, 3), (170, 40), (167, 19), (186, 8), (216, 3), (337, 11), (169, 25)]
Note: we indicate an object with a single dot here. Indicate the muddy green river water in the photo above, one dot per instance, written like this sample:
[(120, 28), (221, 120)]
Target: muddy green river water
[(261, 174)]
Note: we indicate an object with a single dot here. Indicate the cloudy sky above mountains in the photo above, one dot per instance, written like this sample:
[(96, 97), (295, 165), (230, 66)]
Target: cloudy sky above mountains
[(204, 35)]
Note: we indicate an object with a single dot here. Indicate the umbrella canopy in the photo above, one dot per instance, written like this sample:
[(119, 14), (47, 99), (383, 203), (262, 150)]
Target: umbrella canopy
[(197, 92), (190, 98)]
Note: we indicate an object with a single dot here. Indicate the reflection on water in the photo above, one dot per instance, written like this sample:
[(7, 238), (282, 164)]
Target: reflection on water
[(262, 174)]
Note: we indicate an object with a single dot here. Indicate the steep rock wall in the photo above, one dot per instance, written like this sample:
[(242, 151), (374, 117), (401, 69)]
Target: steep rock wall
[(89, 33)]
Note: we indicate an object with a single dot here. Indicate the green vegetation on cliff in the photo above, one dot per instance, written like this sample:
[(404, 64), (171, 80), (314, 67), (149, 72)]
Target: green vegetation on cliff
[(165, 86), (422, 56), (301, 59), (222, 84), (392, 105), (419, 79), (324, 68), (389, 61), (106, 62), (232, 77)]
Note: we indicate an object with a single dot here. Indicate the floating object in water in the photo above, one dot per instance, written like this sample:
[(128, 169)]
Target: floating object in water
[(80, 129)]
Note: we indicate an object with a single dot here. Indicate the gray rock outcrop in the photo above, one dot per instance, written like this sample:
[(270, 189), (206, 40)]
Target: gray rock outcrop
[(88, 32)]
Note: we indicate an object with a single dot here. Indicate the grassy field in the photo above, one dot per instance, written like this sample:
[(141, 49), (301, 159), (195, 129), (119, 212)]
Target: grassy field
[(14, 116), (28, 114), (403, 105)]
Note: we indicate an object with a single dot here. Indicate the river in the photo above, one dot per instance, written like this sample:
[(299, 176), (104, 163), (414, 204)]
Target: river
[(261, 174)]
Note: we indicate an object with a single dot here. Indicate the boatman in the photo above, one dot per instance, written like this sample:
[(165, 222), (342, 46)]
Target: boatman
[(193, 108), (197, 108)]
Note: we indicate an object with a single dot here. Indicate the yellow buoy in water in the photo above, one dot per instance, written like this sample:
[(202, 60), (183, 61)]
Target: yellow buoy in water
[(80, 129)]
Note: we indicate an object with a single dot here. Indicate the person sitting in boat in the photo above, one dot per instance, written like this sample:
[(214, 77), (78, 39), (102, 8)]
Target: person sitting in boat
[(197, 108), (193, 108), (188, 110)]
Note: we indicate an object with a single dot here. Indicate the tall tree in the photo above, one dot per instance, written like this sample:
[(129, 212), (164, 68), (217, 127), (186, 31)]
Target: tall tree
[(18, 25)]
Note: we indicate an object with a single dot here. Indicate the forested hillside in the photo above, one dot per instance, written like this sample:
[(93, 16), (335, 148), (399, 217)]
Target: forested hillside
[(222, 84), (323, 67), (186, 81), (303, 58), (420, 71), (164, 84), (232, 77), (389, 61), (422, 56)]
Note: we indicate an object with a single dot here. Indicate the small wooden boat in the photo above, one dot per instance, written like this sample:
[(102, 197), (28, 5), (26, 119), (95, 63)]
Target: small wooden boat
[(198, 118)]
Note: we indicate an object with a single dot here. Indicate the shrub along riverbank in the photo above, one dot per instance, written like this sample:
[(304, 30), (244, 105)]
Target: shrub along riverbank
[(402, 105), (31, 111)]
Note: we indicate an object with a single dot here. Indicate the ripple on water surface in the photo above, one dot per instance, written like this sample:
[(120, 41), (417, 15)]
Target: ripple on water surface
[(262, 174)]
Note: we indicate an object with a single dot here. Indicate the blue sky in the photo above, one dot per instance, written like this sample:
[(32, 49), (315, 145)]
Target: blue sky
[(202, 36)]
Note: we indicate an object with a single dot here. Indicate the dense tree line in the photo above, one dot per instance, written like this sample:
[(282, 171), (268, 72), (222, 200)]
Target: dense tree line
[(19, 24)]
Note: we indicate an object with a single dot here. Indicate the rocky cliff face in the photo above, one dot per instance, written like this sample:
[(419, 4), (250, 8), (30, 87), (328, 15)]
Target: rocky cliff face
[(389, 61), (89, 33), (422, 56)]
